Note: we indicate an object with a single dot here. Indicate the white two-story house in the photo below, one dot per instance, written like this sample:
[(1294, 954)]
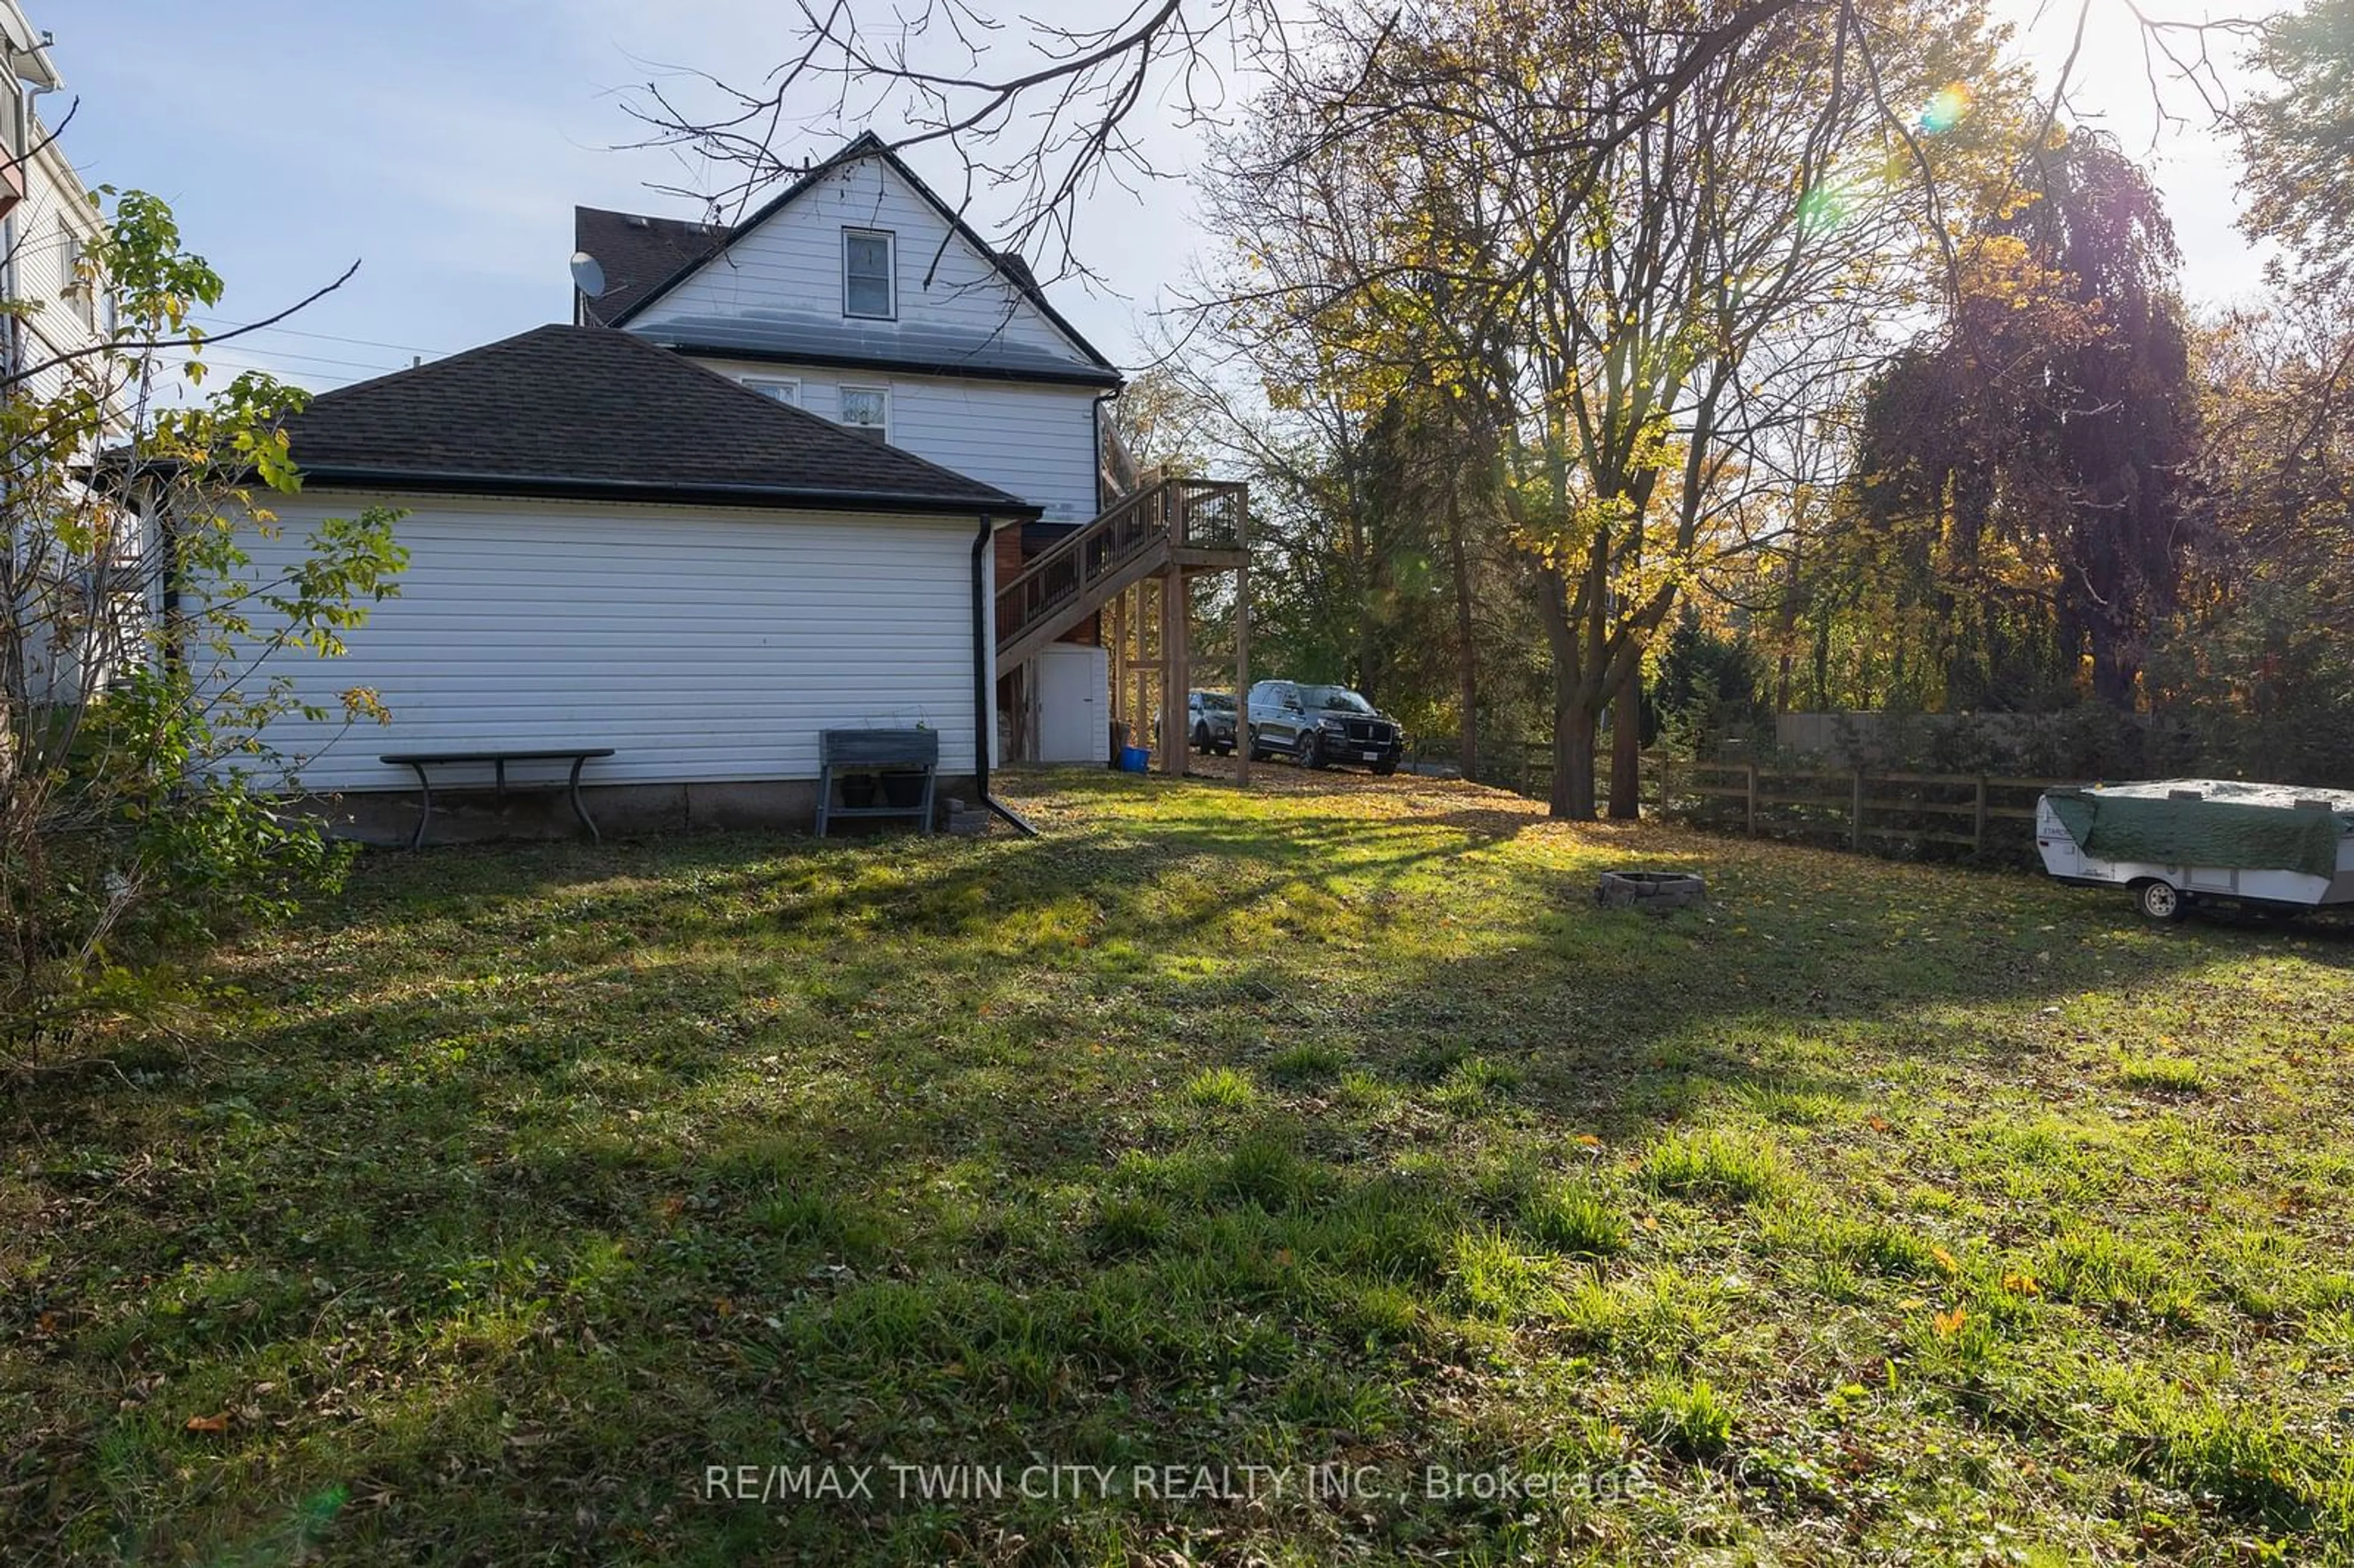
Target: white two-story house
[(834, 467), (859, 295), (763, 485)]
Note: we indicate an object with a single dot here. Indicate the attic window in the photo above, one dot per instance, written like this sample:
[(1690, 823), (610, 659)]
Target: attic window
[(784, 391), (867, 274)]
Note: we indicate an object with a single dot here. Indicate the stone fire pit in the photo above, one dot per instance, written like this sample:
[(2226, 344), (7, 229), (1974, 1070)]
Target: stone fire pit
[(1657, 890)]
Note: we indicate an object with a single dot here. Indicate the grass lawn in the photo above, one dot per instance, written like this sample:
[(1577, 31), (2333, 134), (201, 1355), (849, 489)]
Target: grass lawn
[(1874, 1211)]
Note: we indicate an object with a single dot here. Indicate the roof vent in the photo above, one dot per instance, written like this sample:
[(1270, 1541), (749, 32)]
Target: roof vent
[(635, 221)]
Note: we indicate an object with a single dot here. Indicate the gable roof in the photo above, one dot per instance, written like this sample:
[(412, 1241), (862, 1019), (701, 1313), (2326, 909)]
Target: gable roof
[(1015, 270), (592, 412)]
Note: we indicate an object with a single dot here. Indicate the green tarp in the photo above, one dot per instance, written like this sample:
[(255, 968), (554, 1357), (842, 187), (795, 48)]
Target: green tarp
[(2250, 827)]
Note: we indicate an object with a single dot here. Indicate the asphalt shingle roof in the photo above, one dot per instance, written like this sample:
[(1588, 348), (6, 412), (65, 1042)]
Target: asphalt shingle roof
[(637, 254), (595, 411)]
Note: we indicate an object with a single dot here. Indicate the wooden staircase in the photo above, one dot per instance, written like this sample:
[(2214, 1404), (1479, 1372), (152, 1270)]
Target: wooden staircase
[(1174, 525)]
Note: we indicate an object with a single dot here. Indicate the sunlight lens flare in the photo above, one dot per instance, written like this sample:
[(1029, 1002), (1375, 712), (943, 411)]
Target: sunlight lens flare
[(1946, 109)]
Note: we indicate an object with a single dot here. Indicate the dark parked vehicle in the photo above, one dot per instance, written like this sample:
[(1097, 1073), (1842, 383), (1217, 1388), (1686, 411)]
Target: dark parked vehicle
[(1212, 718), (1317, 726)]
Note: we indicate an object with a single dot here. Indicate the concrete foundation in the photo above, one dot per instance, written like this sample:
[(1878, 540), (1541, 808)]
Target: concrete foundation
[(468, 814)]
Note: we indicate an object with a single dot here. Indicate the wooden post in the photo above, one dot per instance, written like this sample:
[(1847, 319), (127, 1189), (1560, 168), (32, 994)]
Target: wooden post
[(1855, 814), (1120, 657), (1749, 775), (1151, 611), (1978, 820), (1242, 675), (1174, 664)]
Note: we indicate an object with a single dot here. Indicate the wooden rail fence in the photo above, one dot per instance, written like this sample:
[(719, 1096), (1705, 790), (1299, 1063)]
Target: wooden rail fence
[(1988, 815), (1984, 813)]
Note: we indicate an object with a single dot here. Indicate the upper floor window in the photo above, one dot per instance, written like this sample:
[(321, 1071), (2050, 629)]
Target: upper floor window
[(75, 291), (867, 410), (867, 274), (784, 391)]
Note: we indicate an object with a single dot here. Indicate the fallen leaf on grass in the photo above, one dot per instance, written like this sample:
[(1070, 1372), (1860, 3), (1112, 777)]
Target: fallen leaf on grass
[(1949, 1324), (208, 1423)]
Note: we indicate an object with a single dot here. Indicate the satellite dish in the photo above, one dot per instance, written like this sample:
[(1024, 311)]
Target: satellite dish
[(586, 275)]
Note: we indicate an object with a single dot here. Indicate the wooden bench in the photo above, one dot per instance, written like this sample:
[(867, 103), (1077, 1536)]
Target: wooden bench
[(420, 761), (875, 751)]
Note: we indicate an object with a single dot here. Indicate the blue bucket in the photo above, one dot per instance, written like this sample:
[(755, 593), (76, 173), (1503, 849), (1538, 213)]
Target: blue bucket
[(1133, 758)]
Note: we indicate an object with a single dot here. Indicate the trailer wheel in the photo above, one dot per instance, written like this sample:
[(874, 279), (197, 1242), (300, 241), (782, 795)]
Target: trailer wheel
[(2160, 900)]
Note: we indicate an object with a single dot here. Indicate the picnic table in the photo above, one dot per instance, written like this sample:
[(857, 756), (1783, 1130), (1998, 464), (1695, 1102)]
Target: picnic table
[(420, 762)]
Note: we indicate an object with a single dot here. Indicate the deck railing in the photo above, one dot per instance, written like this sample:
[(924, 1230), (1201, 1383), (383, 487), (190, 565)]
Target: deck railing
[(1190, 514)]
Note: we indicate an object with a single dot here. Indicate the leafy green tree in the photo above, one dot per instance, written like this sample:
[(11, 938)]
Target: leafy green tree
[(2298, 140), (2258, 663), (1658, 314), (138, 650), (1707, 676)]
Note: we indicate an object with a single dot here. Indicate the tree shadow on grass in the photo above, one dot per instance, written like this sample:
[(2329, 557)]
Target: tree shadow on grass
[(613, 1164)]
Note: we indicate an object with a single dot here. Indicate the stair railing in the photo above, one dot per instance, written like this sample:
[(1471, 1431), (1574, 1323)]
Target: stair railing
[(1194, 512)]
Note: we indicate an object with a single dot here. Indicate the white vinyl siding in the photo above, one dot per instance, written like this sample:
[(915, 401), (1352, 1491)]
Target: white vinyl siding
[(1033, 440), (792, 265), (51, 226), (54, 223), (701, 646)]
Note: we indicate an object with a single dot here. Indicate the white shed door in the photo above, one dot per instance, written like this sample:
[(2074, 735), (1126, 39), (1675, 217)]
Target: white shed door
[(1073, 690)]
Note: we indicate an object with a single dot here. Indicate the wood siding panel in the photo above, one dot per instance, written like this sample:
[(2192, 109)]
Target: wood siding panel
[(703, 647)]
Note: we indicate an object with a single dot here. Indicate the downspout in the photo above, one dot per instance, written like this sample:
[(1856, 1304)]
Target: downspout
[(983, 699)]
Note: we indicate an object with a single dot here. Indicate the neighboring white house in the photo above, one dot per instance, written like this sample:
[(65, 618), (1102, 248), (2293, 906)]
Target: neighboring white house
[(48, 226), (610, 546), (860, 296), (49, 222)]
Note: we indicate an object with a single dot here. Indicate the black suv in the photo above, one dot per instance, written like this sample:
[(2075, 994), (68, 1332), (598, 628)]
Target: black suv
[(1319, 725)]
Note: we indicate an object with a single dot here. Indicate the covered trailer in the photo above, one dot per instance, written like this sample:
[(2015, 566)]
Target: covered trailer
[(2176, 842)]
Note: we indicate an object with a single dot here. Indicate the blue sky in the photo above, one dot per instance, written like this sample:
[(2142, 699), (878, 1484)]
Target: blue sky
[(443, 143)]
